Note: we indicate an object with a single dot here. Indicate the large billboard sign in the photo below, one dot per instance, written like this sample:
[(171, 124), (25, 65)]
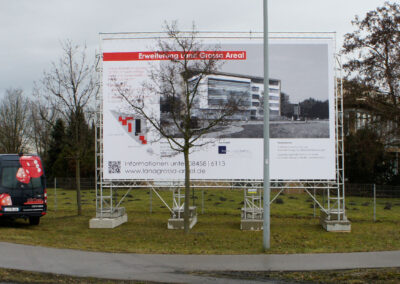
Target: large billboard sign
[(301, 103)]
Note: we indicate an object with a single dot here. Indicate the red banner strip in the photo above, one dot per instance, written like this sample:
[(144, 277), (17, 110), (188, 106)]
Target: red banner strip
[(174, 55)]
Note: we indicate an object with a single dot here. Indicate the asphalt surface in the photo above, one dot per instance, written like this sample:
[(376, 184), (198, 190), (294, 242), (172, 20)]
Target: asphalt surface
[(174, 268)]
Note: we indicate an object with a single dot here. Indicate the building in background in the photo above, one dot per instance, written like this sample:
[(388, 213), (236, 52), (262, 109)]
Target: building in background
[(371, 111), (217, 88)]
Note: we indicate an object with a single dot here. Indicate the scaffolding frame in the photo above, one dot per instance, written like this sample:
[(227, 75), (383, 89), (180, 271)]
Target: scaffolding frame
[(252, 206), (332, 191)]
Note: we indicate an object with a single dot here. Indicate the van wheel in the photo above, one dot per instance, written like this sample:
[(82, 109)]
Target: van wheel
[(34, 220)]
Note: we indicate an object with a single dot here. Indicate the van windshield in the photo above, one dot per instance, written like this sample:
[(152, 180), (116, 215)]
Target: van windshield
[(9, 179)]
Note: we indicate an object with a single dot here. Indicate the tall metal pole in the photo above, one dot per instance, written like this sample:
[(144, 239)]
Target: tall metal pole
[(266, 222)]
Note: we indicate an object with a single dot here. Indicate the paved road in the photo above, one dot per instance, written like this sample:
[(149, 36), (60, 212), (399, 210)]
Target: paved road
[(172, 268)]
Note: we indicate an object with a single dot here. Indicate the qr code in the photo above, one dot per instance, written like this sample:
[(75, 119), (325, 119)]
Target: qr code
[(114, 167)]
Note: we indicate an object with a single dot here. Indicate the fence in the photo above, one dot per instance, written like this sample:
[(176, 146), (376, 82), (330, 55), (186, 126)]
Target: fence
[(380, 202), (367, 190), (70, 183), (363, 201)]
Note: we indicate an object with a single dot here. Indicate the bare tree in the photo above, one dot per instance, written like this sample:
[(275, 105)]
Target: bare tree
[(176, 82), (376, 44), (374, 65), (15, 124), (69, 87), (42, 120)]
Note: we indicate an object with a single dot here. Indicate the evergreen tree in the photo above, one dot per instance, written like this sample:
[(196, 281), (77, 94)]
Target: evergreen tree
[(80, 144), (366, 160), (56, 164)]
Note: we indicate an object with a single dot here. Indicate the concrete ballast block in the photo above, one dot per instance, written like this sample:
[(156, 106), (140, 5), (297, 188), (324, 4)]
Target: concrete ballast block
[(107, 223)]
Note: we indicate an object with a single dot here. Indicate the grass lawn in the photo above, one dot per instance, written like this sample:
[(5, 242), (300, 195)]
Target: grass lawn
[(359, 276), (293, 228), (20, 276)]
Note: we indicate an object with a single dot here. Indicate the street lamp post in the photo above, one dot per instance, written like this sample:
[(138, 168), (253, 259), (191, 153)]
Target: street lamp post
[(266, 220)]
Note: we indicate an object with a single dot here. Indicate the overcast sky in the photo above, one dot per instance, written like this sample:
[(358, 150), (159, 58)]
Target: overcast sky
[(31, 30), (302, 68)]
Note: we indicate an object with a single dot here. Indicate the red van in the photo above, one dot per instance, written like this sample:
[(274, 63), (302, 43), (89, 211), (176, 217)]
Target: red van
[(22, 187)]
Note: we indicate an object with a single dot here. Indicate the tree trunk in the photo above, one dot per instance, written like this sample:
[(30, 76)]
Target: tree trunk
[(78, 186), (186, 213)]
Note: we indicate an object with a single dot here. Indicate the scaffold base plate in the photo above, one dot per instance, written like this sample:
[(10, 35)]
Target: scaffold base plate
[(107, 223), (117, 212), (334, 225), (251, 224), (178, 224)]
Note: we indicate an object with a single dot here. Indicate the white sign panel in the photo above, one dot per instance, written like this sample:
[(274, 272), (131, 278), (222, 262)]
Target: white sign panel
[(301, 98)]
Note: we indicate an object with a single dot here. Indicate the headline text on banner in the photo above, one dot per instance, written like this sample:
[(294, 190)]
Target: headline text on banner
[(174, 55)]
